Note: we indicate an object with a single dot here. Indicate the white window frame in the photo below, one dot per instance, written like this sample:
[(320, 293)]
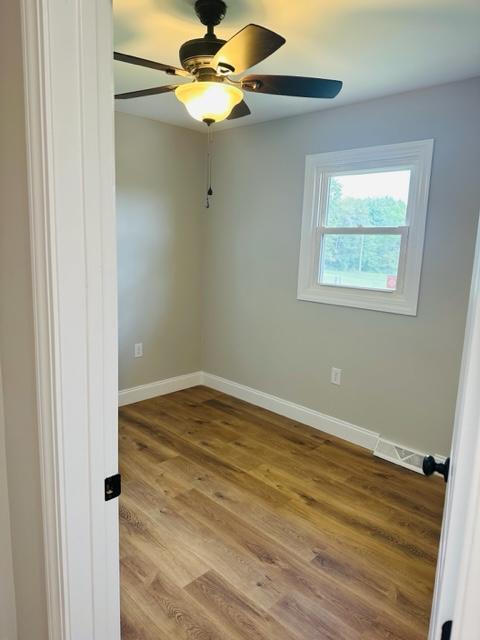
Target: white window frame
[(414, 156)]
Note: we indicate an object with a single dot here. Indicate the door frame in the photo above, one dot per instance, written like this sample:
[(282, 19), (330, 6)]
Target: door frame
[(67, 48), (68, 78), (457, 587)]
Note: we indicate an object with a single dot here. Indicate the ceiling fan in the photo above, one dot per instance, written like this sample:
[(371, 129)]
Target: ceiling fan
[(213, 94)]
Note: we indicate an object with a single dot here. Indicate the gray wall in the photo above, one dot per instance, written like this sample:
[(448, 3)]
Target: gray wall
[(16, 341), (160, 183), (237, 264), (399, 373)]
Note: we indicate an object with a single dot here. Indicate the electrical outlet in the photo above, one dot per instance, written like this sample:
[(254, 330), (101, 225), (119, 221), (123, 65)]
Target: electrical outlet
[(336, 376), (138, 351)]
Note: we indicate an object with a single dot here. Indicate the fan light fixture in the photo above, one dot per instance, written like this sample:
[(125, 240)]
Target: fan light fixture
[(209, 102), (209, 62)]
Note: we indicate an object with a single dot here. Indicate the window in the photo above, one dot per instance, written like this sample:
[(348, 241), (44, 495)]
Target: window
[(363, 226)]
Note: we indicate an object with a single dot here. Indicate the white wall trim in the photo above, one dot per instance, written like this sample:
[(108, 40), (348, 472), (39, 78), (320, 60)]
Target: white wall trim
[(39, 161), (67, 58), (328, 424), (316, 419), (457, 586), (321, 421), (159, 388)]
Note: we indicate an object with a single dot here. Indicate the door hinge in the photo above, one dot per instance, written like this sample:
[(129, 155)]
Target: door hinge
[(113, 487), (447, 630)]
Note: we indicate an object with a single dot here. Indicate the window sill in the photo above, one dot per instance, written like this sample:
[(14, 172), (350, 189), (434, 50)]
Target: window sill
[(387, 302)]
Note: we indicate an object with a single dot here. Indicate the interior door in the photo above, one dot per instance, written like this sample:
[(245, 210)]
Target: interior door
[(463, 481)]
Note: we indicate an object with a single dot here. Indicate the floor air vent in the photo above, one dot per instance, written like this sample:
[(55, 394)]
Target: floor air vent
[(399, 455)]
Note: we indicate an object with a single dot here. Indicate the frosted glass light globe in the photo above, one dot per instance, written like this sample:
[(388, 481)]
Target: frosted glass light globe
[(209, 101)]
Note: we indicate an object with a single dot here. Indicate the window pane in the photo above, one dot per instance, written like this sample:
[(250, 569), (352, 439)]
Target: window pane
[(365, 261), (368, 199)]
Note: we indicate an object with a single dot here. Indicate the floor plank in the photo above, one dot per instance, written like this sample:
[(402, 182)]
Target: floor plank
[(243, 619), (237, 523)]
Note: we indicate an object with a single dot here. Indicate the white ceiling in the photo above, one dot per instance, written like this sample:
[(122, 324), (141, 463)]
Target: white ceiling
[(377, 47)]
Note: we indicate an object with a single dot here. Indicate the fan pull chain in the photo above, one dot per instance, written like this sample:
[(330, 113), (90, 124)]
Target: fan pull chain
[(209, 166)]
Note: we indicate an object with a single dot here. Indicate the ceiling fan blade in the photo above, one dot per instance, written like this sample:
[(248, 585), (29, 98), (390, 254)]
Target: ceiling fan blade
[(292, 86), (240, 110), (142, 62), (146, 92), (248, 47)]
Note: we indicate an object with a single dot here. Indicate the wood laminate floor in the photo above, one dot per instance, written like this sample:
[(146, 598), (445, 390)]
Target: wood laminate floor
[(239, 524)]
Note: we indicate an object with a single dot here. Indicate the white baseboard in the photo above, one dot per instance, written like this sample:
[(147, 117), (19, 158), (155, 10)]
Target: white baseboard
[(160, 388), (333, 426), (328, 424)]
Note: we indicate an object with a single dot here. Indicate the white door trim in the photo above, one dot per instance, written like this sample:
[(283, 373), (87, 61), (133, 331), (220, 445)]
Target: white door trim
[(67, 48), (457, 589)]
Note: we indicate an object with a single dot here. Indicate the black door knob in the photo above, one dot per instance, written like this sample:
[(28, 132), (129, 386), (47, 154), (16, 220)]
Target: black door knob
[(430, 465)]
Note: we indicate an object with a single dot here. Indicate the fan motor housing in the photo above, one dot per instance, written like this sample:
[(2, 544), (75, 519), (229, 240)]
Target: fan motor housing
[(198, 53)]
